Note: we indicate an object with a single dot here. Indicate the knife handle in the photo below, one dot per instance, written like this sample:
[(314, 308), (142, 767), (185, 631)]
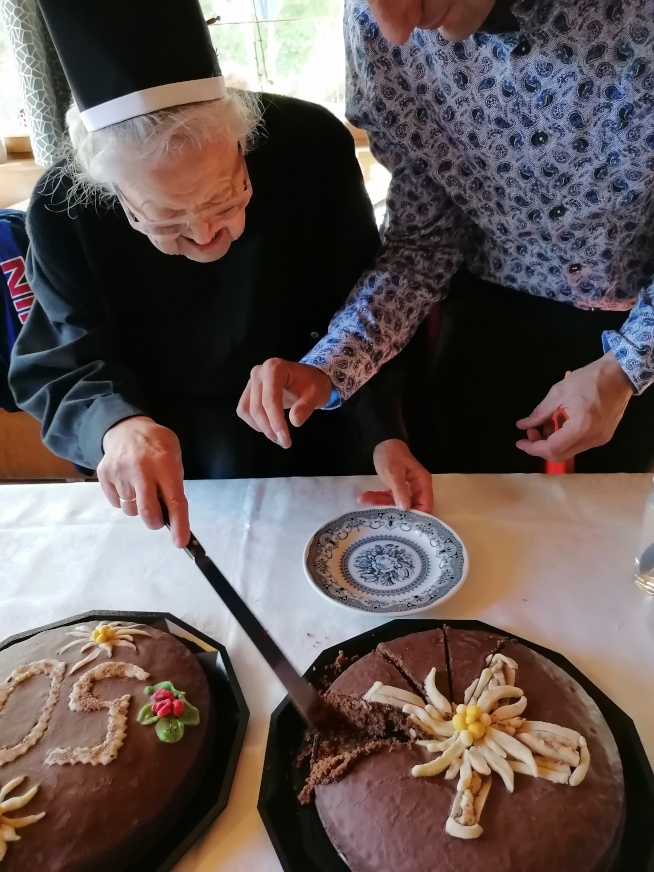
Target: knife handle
[(165, 514)]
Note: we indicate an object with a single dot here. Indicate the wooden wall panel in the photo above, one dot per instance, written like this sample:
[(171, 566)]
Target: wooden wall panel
[(22, 454)]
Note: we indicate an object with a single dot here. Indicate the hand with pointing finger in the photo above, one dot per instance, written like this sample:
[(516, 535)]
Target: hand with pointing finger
[(277, 385)]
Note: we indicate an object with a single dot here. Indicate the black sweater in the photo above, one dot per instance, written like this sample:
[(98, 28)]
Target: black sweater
[(119, 329)]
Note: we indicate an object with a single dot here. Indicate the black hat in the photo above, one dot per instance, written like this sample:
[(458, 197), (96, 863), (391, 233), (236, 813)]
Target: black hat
[(124, 58)]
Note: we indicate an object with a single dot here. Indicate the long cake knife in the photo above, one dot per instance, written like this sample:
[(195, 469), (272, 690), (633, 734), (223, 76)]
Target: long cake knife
[(315, 712)]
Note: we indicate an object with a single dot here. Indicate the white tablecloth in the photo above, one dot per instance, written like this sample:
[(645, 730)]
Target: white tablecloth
[(551, 559)]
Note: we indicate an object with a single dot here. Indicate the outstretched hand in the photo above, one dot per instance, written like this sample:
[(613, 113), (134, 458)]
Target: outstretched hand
[(591, 402), (408, 483)]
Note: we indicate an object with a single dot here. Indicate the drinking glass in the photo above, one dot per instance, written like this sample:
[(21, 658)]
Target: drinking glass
[(644, 575)]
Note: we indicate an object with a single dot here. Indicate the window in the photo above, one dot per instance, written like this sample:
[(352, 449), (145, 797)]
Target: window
[(292, 47), (11, 98)]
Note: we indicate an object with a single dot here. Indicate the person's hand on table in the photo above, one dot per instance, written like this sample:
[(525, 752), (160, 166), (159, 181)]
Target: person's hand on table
[(142, 463), (591, 402), (408, 483), (277, 385)]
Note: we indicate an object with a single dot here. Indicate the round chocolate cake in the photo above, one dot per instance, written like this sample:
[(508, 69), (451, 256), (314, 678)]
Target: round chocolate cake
[(104, 730), (472, 750)]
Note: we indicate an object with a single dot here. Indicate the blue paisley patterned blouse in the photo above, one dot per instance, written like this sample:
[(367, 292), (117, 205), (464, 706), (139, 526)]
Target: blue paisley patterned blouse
[(527, 157)]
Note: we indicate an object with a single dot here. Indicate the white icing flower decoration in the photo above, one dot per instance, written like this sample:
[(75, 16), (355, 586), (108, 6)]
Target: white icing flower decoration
[(8, 826), (484, 736), (104, 637)]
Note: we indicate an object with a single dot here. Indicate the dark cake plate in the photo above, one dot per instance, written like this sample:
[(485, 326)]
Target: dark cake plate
[(296, 831), (213, 793)]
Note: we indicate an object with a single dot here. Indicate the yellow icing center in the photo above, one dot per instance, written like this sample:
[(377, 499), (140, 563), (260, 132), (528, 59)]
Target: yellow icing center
[(470, 718), (104, 634)]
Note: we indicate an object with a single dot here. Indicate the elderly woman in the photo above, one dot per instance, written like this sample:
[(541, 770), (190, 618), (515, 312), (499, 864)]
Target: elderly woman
[(186, 238)]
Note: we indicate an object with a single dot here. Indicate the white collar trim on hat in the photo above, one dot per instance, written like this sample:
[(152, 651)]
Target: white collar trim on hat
[(152, 99)]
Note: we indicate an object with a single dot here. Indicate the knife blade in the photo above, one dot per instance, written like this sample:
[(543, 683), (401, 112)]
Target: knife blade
[(316, 713)]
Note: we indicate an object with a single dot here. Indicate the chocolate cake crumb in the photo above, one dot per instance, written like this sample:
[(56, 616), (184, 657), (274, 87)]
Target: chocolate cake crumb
[(334, 766), (335, 669), (305, 752), (366, 727)]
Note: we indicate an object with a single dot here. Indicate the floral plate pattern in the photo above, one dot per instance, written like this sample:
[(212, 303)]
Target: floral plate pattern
[(386, 560)]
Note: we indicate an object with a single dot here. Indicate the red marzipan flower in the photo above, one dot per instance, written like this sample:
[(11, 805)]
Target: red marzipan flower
[(162, 694), (166, 704), (163, 708)]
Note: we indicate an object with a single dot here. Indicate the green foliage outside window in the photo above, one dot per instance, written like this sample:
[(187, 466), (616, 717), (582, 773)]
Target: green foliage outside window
[(286, 46)]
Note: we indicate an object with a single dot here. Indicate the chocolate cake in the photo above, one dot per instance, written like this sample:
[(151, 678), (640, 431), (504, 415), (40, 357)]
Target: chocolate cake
[(104, 731), (491, 755)]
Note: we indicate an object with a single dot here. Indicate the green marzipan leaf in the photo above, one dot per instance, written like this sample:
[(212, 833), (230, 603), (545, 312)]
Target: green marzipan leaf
[(163, 685), (190, 716), (146, 716), (169, 730)]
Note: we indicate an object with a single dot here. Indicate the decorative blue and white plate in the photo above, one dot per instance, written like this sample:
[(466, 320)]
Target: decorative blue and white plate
[(386, 560)]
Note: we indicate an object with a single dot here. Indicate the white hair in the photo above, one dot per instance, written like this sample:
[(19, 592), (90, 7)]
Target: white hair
[(95, 161)]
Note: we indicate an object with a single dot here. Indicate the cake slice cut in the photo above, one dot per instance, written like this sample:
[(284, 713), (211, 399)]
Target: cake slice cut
[(369, 720), (367, 727), (409, 654), (358, 678), (468, 652)]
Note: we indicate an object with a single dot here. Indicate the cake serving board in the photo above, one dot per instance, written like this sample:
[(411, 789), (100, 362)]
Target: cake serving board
[(296, 832), (213, 793)]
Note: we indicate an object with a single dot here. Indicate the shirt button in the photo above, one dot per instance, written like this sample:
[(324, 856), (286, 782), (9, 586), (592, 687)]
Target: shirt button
[(574, 267), (314, 334)]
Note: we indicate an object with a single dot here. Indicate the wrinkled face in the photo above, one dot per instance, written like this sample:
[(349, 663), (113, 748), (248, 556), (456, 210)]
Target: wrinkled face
[(190, 203), (455, 20)]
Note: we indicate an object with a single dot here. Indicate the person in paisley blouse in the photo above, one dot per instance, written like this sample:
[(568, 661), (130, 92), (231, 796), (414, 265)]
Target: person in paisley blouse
[(520, 139)]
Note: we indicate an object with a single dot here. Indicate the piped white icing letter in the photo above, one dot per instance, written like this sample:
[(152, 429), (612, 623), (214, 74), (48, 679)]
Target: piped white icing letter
[(82, 700), (56, 670)]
